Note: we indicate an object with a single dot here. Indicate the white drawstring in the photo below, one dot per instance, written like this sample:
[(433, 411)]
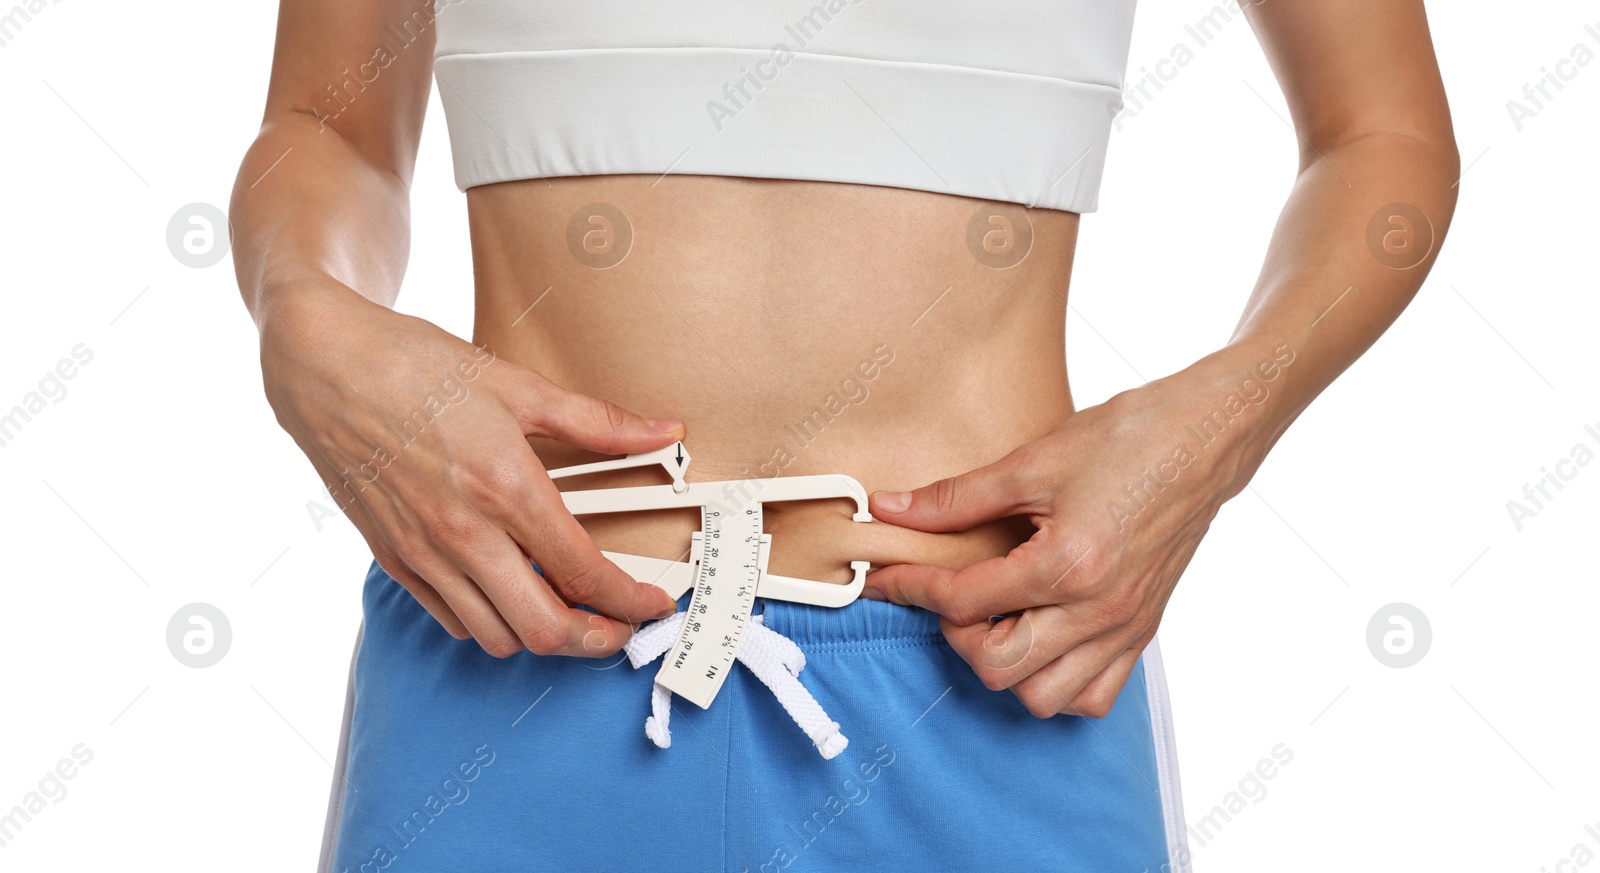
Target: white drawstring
[(773, 657)]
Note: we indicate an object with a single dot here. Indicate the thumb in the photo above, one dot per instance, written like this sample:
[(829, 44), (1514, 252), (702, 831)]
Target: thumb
[(959, 502), (546, 409)]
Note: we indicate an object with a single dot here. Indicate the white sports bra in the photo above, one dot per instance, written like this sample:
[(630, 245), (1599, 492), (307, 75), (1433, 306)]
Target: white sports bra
[(1003, 101)]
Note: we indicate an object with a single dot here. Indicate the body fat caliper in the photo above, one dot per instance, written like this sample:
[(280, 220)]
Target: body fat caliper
[(727, 570)]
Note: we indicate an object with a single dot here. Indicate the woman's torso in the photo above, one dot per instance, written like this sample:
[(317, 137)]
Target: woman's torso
[(796, 327)]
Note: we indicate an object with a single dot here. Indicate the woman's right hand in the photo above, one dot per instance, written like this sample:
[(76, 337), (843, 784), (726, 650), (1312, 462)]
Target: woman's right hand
[(421, 438)]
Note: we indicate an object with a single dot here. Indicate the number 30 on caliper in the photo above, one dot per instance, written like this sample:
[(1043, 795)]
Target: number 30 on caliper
[(727, 565)]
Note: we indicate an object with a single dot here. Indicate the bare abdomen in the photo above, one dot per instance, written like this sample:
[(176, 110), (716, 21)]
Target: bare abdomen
[(796, 327)]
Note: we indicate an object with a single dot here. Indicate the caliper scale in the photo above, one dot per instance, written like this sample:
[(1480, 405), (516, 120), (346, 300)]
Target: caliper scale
[(727, 566), (730, 553)]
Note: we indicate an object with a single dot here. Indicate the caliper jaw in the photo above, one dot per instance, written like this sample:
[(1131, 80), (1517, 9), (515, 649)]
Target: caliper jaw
[(674, 459)]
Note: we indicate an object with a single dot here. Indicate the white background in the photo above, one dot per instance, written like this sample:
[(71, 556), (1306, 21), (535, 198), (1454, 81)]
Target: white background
[(162, 479)]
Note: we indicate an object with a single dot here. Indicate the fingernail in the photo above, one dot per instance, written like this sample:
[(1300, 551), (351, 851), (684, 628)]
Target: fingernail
[(664, 425), (894, 501), (665, 612), (873, 594)]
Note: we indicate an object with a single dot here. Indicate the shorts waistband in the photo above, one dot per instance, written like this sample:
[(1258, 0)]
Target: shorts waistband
[(863, 624)]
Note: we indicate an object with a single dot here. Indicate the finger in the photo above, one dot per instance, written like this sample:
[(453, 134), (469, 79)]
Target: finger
[(1010, 651), (1003, 488), (545, 409), (1092, 632), (425, 595), (1100, 695), (604, 636), (1052, 687), (397, 569), (523, 508), (1005, 652), (385, 555), (993, 586), (544, 623), (478, 613), (572, 562)]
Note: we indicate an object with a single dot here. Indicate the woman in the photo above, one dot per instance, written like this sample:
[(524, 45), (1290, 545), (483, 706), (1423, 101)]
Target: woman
[(829, 238)]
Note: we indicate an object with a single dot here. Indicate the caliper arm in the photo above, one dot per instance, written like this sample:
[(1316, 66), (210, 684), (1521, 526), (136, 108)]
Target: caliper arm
[(677, 577)]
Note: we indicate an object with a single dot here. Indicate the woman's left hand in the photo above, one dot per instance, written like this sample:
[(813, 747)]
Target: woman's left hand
[(1121, 494)]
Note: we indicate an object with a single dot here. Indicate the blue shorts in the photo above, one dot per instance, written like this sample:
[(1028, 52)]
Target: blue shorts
[(453, 760)]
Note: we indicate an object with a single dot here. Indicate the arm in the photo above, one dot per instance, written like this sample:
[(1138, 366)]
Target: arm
[(1374, 128), (1122, 493), (420, 437), (321, 205)]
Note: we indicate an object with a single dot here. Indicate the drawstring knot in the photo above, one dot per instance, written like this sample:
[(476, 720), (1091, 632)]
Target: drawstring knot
[(773, 657)]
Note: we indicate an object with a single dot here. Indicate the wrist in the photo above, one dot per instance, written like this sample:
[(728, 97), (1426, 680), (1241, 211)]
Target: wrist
[(312, 337), (306, 309), (1227, 410)]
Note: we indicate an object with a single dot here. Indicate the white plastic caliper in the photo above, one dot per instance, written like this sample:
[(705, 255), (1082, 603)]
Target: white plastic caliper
[(727, 568)]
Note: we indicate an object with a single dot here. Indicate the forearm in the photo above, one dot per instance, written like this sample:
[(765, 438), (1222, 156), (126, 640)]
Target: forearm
[(323, 222), (1328, 289)]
